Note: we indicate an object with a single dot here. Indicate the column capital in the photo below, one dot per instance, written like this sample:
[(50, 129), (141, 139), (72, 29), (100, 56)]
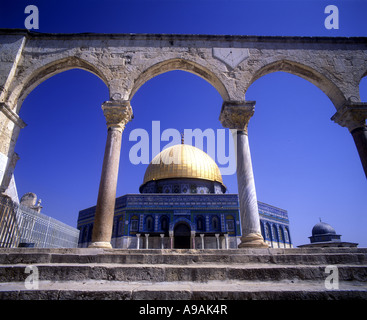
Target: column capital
[(117, 113), (237, 114), (352, 115)]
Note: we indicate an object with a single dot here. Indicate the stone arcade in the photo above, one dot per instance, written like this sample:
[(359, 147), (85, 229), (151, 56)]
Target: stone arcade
[(230, 63)]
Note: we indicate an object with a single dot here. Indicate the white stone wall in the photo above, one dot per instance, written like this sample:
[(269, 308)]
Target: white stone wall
[(12, 191)]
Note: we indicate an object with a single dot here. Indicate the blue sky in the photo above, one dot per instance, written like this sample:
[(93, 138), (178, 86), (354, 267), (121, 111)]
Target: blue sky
[(303, 162)]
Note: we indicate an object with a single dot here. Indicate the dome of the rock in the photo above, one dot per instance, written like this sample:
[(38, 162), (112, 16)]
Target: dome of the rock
[(183, 161)]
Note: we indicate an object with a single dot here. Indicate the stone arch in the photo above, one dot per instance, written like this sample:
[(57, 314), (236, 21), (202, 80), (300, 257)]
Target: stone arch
[(47, 71), (184, 65), (173, 224), (364, 79), (182, 223), (182, 234), (319, 80)]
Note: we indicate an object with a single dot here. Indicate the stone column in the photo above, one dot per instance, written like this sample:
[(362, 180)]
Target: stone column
[(217, 240), (162, 240), (353, 116), (236, 115), (202, 241), (147, 241), (171, 238), (138, 241), (193, 239), (226, 240), (117, 114)]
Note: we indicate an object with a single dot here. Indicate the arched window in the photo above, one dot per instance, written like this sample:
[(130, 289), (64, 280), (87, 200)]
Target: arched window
[(120, 228), (286, 234), (275, 233), (262, 229), (85, 233), (176, 188), (281, 234), (230, 223), (200, 223), (164, 223), (215, 223), (134, 224), (193, 188), (149, 223), (267, 232)]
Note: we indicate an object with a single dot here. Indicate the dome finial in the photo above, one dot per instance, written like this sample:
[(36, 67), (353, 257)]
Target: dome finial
[(182, 138)]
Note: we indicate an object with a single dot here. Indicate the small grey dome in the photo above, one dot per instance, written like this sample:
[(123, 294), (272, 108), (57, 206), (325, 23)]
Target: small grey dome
[(322, 228), (29, 199)]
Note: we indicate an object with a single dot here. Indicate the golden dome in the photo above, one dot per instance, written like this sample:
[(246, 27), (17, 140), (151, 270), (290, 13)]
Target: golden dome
[(183, 161)]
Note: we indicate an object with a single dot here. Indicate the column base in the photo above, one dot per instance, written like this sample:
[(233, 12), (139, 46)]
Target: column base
[(253, 240), (101, 244)]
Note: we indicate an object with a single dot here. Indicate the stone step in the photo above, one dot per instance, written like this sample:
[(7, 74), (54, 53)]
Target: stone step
[(211, 290), (187, 257), (183, 274), (272, 251), (167, 273)]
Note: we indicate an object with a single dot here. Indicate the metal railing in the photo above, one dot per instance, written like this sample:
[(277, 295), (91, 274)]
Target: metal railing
[(22, 226), (9, 228)]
